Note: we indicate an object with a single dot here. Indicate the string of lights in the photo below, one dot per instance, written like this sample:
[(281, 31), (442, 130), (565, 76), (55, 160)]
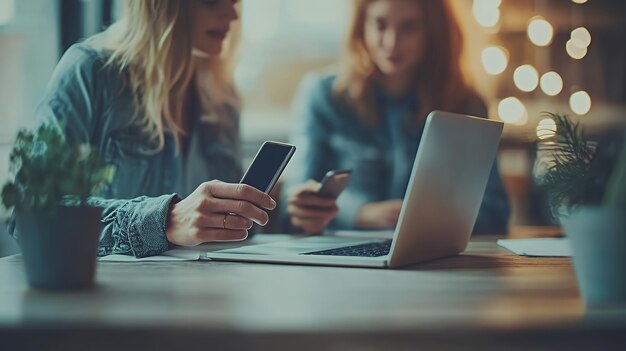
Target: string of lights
[(526, 77)]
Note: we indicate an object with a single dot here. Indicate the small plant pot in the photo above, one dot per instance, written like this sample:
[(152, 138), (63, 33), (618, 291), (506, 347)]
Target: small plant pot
[(598, 240), (60, 248)]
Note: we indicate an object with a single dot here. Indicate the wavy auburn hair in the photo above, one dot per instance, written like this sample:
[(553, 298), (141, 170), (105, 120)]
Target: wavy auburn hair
[(440, 80), (151, 46)]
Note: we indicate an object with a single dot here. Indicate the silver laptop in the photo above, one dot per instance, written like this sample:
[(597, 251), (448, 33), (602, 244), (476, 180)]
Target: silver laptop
[(440, 207)]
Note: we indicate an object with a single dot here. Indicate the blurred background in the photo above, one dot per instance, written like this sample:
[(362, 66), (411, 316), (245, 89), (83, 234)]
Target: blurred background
[(524, 57)]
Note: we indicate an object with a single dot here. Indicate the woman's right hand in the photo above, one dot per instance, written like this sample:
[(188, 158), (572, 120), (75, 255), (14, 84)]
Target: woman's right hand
[(379, 215), (309, 211), (217, 211)]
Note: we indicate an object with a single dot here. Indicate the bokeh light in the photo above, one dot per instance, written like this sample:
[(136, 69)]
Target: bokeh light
[(582, 36), (486, 12), (495, 60), (580, 102), (575, 49), (546, 128), (526, 78), (7, 11), (512, 110), (551, 83), (488, 3), (540, 31)]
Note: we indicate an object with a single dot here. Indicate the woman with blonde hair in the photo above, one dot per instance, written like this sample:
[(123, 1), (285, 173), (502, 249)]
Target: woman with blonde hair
[(402, 60), (154, 94)]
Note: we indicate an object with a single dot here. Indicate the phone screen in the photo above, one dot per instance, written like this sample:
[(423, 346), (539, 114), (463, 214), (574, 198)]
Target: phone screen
[(267, 166)]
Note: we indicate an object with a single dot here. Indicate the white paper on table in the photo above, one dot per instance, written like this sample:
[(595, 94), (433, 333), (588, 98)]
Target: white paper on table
[(174, 255), (540, 247)]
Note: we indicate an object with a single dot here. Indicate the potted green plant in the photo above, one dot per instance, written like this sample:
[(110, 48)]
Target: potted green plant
[(586, 183), (56, 229)]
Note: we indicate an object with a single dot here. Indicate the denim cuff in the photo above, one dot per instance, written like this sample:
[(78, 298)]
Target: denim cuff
[(146, 221)]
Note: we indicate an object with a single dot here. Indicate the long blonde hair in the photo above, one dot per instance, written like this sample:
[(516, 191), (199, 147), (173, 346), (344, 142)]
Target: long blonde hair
[(441, 82), (151, 46)]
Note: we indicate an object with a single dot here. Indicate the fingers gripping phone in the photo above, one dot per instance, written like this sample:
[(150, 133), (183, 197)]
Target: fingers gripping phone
[(334, 182), (268, 165)]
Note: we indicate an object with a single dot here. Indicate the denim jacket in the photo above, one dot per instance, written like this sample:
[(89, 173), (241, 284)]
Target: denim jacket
[(329, 136), (96, 106)]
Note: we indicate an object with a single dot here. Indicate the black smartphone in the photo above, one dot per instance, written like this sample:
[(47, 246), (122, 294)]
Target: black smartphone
[(334, 182), (268, 165)]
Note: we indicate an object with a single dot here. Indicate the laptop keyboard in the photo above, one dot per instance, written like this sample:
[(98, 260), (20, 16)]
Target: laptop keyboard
[(363, 250)]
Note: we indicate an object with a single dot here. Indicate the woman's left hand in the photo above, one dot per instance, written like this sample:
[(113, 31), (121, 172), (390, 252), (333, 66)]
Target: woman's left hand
[(308, 211)]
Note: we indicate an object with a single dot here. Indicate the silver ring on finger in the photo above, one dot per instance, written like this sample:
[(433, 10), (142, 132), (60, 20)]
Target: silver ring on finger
[(224, 221)]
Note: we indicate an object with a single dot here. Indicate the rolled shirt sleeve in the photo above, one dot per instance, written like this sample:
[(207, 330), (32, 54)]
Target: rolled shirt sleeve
[(135, 226)]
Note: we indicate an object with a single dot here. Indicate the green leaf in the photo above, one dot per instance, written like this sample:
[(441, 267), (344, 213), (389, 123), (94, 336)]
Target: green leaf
[(569, 181), (46, 169)]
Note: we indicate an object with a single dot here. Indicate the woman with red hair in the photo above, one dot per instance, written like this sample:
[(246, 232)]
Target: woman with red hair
[(402, 60)]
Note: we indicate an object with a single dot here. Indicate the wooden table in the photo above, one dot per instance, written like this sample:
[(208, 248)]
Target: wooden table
[(485, 298)]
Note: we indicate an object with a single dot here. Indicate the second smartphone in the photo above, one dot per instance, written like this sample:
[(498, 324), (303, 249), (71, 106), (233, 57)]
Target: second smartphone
[(334, 182)]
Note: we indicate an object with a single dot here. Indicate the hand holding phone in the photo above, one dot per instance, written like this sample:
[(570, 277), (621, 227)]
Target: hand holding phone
[(228, 218), (268, 165), (312, 205), (333, 183)]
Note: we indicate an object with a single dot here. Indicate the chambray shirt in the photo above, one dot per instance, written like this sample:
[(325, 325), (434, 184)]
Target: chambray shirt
[(96, 105), (329, 136)]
